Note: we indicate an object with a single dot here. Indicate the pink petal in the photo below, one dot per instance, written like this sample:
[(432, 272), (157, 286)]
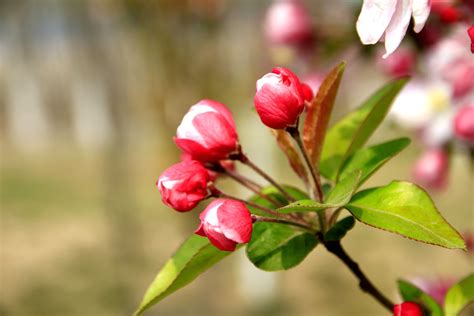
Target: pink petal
[(200, 231), (421, 11), (235, 221), (374, 18), (397, 28), (218, 239)]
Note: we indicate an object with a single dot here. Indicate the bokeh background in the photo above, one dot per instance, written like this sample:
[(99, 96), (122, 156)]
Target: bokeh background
[(91, 93)]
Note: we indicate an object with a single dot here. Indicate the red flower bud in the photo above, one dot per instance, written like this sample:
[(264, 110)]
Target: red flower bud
[(279, 99), (470, 32), (431, 169), (184, 185), (464, 124), (407, 309), (288, 22), (207, 132), (226, 223), (307, 92), (399, 63)]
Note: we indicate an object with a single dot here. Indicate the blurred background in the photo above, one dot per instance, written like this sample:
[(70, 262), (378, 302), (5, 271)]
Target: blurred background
[(91, 93)]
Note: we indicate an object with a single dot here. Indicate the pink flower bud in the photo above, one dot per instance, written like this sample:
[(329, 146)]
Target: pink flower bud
[(400, 63), (279, 99), (431, 169), (307, 92), (464, 124), (407, 309), (226, 223), (470, 32), (184, 185), (288, 22), (207, 132)]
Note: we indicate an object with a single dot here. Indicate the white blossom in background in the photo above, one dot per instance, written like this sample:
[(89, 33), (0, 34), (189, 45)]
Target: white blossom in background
[(388, 20)]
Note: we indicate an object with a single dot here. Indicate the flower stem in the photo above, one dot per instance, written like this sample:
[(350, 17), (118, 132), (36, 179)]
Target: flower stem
[(365, 284), (257, 218), (251, 186), (318, 192), (245, 160)]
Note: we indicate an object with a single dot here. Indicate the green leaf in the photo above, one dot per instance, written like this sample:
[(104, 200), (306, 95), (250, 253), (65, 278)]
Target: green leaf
[(352, 131), (319, 113), (286, 144), (410, 292), (370, 159), (459, 295), (277, 246), (273, 193), (340, 229), (339, 196), (193, 257), (405, 209)]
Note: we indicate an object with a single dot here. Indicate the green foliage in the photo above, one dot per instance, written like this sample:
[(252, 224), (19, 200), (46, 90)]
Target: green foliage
[(319, 113), (406, 209), (410, 292), (459, 295), (273, 193), (193, 257), (370, 159), (340, 229), (339, 196), (277, 246), (351, 132)]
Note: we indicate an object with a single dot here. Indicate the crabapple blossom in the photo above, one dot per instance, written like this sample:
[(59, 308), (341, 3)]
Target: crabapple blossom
[(280, 98), (226, 223), (184, 185), (207, 132)]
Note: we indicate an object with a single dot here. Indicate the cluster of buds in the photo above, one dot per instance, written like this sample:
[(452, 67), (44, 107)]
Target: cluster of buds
[(209, 143)]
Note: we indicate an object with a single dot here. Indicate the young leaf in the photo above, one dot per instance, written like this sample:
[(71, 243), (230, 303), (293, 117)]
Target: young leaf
[(340, 229), (273, 193), (459, 295), (319, 113), (287, 146), (352, 131), (339, 196), (405, 209), (193, 257), (279, 247), (410, 292), (370, 159)]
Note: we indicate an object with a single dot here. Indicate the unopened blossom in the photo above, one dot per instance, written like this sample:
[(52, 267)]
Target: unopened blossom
[(464, 124), (207, 132), (226, 223), (184, 185), (390, 19), (401, 63), (431, 169), (407, 309), (470, 32), (280, 98), (287, 22)]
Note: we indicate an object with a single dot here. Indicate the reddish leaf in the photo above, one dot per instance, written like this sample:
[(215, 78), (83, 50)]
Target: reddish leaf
[(287, 146), (319, 113)]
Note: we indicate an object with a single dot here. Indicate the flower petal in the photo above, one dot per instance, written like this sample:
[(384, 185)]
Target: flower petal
[(374, 18), (421, 11), (397, 28), (235, 221)]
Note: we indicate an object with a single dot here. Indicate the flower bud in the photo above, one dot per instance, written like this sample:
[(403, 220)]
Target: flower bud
[(307, 92), (464, 124), (400, 63), (407, 309), (431, 169), (226, 223), (279, 99), (288, 22), (184, 185), (207, 132)]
